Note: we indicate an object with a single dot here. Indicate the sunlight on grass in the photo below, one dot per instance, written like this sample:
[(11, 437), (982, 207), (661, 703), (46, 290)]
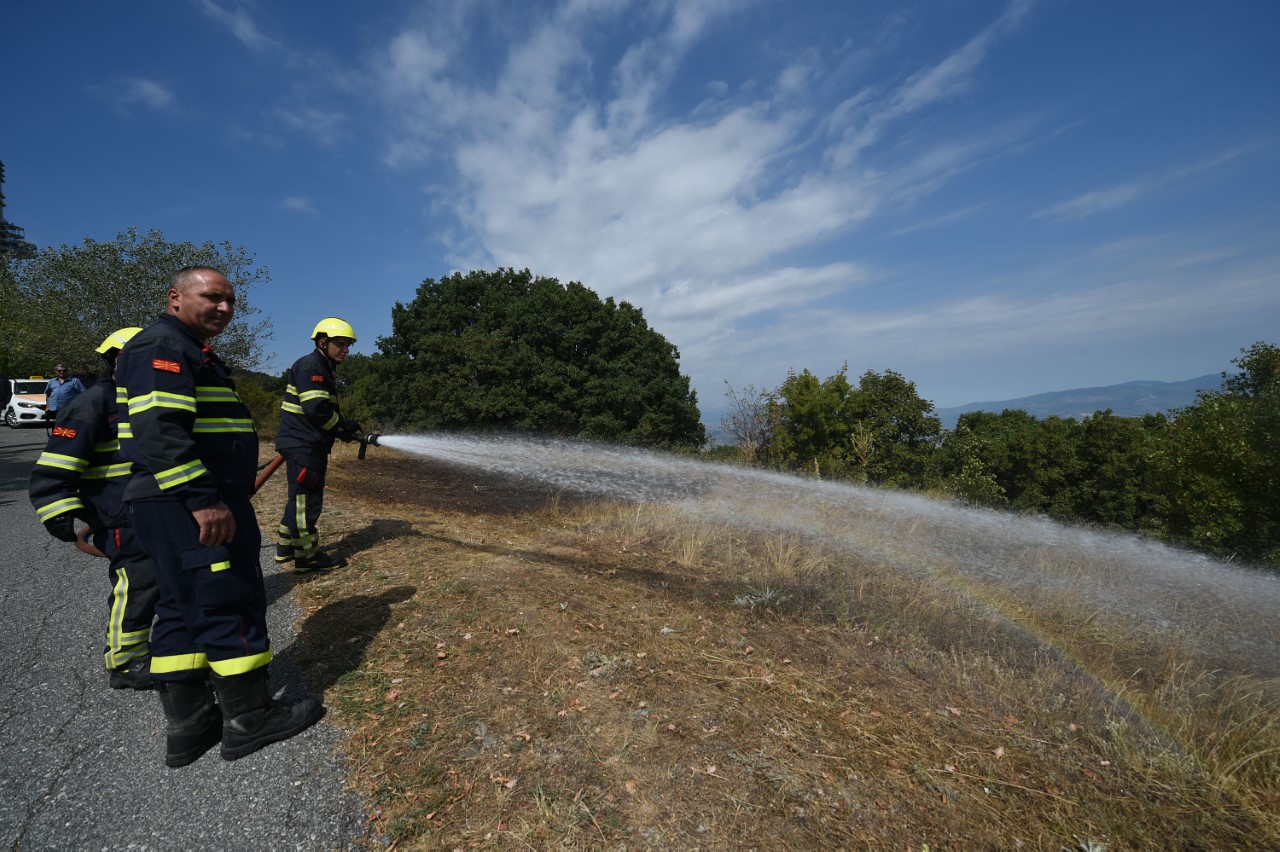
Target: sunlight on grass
[(806, 673)]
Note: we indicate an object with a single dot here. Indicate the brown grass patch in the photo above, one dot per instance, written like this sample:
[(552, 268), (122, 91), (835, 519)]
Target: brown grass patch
[(517, 669)]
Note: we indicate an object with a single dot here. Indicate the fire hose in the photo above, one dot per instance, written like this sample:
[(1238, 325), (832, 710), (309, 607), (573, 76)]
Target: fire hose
[(264, 473), (266, 470)]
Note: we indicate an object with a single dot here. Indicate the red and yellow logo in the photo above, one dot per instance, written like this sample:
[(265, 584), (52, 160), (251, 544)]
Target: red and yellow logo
[(318, 379), (167, 366), (65, 431)]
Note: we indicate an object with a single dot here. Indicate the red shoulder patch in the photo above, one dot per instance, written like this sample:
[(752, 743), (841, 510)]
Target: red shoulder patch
[(167, 366), (318, 378), (65, 431)]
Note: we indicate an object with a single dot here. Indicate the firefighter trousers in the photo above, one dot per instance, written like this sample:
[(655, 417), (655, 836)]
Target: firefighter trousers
[(306, 470), (132, 602), (212, 610)]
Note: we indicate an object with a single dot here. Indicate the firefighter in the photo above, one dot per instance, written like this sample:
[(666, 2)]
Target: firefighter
[(81, 474), (310, 420), (194, 450)]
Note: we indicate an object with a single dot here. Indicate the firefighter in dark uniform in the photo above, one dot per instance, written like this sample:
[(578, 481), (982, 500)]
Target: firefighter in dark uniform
[(194, 453), (309, 422), (82, 474)]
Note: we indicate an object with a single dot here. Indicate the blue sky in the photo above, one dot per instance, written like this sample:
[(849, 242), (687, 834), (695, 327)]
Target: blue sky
[(994, 199)]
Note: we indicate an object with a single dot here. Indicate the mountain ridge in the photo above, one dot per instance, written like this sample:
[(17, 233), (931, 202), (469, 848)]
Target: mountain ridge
[(1127, 399)]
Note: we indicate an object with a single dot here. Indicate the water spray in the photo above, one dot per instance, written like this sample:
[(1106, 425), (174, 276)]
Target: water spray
[(1152, 584)]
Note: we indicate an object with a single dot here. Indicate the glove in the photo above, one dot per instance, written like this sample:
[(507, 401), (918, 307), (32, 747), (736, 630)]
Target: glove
[(348, 429), (62, 527)]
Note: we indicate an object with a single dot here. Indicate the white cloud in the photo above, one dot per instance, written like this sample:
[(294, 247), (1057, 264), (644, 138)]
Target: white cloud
[(126, 93), (299, 204), (239, 23), (1104, 326), (1096, 201), (323, 127), (1101, 200)]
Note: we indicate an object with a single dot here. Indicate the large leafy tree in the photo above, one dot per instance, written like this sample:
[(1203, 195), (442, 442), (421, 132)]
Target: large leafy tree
[(895, 432), (508, 350), (880, 432), (813, 420), (60, 304), (1012, 458), (1218, 470), (1113, 469)]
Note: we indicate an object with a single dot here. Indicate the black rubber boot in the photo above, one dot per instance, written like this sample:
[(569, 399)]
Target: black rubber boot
[(193, 722), (253, 719)]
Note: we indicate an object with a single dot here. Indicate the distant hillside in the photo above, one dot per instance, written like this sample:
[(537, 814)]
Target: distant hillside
[(1130, 399)]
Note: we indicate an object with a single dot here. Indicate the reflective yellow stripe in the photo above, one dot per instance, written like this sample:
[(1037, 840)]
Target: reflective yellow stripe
[(291, 407), (57, 460), (107, 471), (180, 474), (106, 447), (59, 507), (216, 394), (179, 663), (115, 623), (315, 394), (219, 566), (331, 422), (205, 425), (124, 430), (160, 399), (240, 665), (305, 541)]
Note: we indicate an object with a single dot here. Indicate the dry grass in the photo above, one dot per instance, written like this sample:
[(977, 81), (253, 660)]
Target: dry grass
[(518, 670)]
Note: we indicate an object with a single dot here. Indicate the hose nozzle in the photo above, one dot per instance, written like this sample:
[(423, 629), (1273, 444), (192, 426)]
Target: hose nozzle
[(365, 441)]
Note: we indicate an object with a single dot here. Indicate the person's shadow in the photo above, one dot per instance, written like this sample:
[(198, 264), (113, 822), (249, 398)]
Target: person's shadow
[(332, 641), (280, 583)]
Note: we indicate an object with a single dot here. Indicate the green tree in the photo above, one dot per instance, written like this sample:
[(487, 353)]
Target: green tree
[(1113, 469), (895, 433), (1218, 470), (507, 350), (879, 432), (60, 304), (813, 421), (1014, 458)]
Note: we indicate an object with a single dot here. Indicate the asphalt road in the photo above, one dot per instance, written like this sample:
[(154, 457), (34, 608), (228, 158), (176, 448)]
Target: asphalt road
[(82, 766)]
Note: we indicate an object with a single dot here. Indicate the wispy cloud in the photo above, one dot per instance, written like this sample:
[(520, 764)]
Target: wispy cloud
[(240, 24), (299, 204), (938, 221), (580, 171), (324, 127), (127, 93), (1101, 200)]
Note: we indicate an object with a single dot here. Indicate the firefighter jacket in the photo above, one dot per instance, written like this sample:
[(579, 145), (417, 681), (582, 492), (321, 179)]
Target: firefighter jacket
[(182, 425), (82, 468), (309, 415)]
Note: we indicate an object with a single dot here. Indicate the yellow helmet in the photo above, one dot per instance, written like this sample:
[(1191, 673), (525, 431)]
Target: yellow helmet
[(334, 327), (117, 339)]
